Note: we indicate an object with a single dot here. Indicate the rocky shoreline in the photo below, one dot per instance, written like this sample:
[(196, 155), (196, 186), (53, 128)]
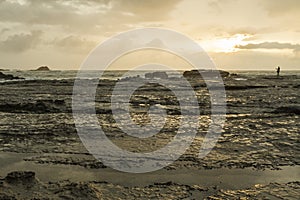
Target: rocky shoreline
[(261, 133)]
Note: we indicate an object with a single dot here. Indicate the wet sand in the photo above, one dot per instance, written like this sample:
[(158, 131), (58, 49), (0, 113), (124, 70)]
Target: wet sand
[(222, 177), (257, 155)]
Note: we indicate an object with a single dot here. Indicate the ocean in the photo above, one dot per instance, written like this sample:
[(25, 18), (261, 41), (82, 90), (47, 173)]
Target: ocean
[(115, 74)]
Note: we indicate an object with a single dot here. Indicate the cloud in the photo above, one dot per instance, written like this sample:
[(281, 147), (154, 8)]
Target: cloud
[(74, 43), (270, 45), (70, 28), (75, 18), (253, 60), (85, 13), (279, 7), (85, 17), (150, 10), (4, 30), (21, 42), (46, 12)]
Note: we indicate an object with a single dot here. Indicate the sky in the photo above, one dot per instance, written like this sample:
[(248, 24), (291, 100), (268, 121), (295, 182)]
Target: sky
[(236, 34)]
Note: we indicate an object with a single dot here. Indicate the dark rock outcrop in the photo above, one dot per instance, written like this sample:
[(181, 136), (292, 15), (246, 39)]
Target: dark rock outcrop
[(288, 109), (197, 74), (159, 75), (21, 177), (8, 76), (40, 106), (244, 87)]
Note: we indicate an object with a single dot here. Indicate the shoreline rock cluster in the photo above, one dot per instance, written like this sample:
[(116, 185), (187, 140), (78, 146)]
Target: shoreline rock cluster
[(196, 74), (8, 76), (156, 75), (39, 106)]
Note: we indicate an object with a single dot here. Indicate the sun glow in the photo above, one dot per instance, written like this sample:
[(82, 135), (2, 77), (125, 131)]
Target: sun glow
[(226, 45)]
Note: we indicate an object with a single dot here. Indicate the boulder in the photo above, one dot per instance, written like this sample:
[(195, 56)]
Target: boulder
[(21, 177), (157, 75)]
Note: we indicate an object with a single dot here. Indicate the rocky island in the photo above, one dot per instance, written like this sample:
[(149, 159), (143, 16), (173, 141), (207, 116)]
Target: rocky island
[(43, 68)]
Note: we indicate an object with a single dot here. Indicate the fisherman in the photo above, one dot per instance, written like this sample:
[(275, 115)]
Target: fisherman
[(278, 71)]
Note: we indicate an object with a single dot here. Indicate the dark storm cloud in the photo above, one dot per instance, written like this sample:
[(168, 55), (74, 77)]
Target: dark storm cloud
[(20, 42), (270, 45)]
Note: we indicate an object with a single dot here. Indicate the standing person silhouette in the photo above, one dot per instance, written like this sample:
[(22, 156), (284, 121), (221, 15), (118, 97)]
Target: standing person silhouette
[(278, 71)]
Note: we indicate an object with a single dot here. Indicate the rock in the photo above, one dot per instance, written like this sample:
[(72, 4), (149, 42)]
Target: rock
[(59, 102), (39, 106), (7, 197), (43, 68), (244, 87), (158, 75), (169, 183), (196, 74), (131, 78), (8, 76), (21, 177), (288, 109), (224, 73)]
